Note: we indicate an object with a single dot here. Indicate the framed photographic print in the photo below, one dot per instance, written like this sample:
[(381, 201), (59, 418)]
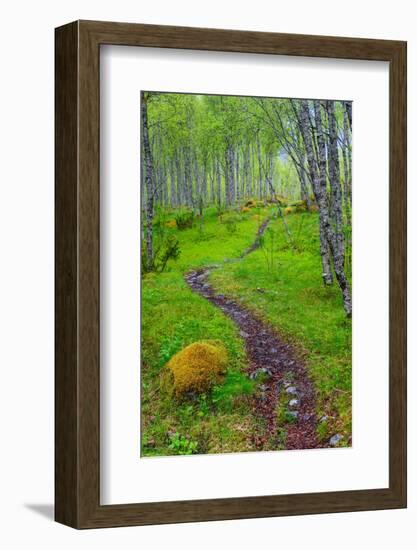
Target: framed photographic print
[(230, 274)]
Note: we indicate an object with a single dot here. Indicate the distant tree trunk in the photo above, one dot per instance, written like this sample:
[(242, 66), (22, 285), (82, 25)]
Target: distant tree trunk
[(271, 169), (229, 175), (218, 183), (162, 182), (204, 189), (237, 176), (211, 178), (159, 169), (172, 180), (232, 177), (253, 174), (318, 193), (149, 183), (188, 180), (258, 143), (248, 172), (197, 179), (178, 171)]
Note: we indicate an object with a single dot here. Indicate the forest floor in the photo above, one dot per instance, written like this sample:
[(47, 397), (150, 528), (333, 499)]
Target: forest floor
[(284, 386), (288, 385)]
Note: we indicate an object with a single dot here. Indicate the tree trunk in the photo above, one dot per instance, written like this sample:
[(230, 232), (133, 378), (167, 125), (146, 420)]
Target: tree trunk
[(248, 172), (142, 193), (301, 169), (347, 162), (338, 245), (188, 180), (237, 176), (229, 175), (218, 183), (259, 166), (149, 183), (317, 190)]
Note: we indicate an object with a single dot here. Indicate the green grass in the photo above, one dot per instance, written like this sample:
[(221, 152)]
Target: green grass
[(173, 317), (289, 294), (292, 298)]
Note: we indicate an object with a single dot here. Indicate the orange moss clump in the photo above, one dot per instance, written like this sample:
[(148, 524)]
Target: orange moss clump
[(197, 367), (171, 223), (289, 210), (245, 209)]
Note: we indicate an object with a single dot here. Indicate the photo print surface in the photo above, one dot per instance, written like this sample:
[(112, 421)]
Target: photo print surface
[(246, 263)]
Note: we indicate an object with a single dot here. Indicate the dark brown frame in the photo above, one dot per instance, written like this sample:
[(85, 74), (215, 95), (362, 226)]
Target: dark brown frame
[(77, 374)]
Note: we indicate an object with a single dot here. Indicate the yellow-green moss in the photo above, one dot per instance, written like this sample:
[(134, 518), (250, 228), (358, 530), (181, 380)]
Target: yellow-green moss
[(197, 367), (282, 201), (171, 223), (245, 209), (289, 210)]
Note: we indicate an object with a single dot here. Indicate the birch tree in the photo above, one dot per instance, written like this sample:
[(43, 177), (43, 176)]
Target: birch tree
[(149, 181), (318, 182)]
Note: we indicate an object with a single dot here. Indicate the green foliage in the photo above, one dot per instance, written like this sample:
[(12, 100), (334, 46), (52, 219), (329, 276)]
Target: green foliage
[(184, 220), (267, 243), (166, 245), (230, 221), (231, 225), (322, 430), (182, 446), (169, 251)]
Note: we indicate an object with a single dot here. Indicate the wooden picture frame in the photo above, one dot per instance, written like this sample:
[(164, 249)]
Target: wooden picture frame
[(77, 374)]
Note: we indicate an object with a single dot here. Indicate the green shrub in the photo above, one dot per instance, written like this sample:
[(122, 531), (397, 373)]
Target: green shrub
[(231, 226), (230, 220), (184, 220), (168, 248)]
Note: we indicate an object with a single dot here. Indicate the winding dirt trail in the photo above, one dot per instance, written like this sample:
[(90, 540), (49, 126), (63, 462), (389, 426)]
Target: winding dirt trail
[(284, 378)]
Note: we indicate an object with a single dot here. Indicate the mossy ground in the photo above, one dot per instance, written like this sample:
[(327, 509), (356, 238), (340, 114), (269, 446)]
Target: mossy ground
[(292, 299)]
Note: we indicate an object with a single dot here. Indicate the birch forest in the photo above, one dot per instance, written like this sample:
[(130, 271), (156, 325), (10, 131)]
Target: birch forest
[(246, 216)]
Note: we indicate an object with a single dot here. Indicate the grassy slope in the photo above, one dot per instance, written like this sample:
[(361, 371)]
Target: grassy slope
[(293, 300)]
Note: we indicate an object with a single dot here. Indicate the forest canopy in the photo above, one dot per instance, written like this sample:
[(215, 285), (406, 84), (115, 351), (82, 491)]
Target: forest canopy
[(203, 150)]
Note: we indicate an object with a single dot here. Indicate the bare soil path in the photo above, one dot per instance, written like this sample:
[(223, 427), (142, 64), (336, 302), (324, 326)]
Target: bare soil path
[(284, 381)]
